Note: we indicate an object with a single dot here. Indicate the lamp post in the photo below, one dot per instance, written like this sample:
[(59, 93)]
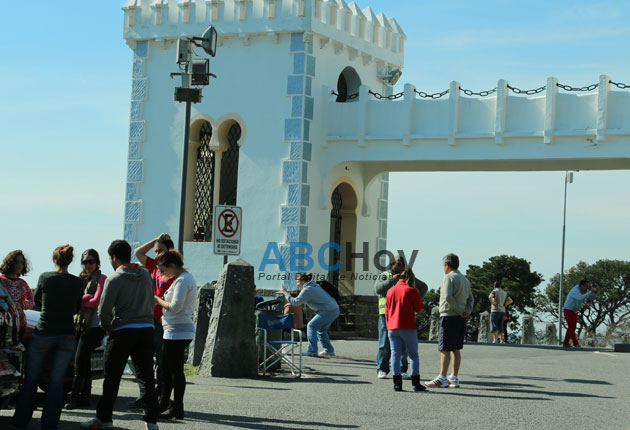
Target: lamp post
[(568, 179), (194, 73)]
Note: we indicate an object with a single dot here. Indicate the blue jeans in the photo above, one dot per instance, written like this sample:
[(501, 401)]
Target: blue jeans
[(58, 351), (317, 328), (401, 339), (384, 351)]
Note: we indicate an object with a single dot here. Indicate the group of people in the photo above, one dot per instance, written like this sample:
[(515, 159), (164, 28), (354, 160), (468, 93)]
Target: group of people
[(147, 311), (144, 311), (400, 298)]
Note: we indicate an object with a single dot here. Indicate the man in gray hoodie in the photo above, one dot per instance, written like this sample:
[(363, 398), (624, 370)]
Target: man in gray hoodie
[(126, 314)]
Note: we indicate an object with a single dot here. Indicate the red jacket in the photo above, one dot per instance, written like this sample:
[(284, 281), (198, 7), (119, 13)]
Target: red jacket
[(401, 303)]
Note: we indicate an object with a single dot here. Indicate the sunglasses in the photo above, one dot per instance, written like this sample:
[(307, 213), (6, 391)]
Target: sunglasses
[(88, 262)]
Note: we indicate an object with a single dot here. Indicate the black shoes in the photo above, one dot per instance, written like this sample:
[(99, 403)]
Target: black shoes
[(175, 410), (417, 386), (397, 382)]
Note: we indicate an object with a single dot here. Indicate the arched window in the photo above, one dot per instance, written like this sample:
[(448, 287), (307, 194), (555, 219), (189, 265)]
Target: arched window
[(204, 186), (348, 85), (229, 167)]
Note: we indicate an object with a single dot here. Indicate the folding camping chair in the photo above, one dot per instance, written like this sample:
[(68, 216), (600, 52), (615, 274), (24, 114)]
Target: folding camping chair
[(281, 350)]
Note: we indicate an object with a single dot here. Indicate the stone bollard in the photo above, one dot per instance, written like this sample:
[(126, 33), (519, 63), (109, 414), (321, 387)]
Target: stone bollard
[(485, 336), (201, 318), (529, 335), (551, 336), (435, 323), (230, 350)]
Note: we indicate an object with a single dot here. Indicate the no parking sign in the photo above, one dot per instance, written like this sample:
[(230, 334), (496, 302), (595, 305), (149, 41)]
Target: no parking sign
[(226, 230)]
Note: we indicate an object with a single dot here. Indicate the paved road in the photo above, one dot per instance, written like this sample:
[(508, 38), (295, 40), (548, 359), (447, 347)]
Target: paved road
[(503, 386)]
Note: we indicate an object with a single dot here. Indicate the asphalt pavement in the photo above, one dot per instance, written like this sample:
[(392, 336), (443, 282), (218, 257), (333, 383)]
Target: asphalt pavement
[(502, 386)]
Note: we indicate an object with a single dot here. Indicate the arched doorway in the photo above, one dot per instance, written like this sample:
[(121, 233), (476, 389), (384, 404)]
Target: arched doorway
[(343, 227)]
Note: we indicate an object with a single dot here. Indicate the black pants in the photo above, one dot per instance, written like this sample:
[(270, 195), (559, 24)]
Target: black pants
[(121, 344), (173, 371), (158, 332), (89, 340)]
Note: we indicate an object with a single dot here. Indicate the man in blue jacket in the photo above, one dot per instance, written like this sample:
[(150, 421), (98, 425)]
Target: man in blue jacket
[(572, 305)]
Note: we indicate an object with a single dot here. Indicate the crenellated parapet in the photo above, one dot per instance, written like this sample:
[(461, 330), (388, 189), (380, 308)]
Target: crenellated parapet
[(360, 32)]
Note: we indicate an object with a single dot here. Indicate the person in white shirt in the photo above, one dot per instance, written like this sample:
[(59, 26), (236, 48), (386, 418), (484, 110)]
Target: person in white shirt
[(178, 305)]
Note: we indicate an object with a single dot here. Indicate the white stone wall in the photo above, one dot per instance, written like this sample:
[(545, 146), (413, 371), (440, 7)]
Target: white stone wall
[(274, 62)]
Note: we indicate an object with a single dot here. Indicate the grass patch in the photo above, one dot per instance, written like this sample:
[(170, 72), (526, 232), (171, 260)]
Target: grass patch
[(190, 370)]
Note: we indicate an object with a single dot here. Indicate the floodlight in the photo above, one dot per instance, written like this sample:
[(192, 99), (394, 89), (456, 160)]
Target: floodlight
[(182, 54), (201, 71), (394, 76), (209, 41)]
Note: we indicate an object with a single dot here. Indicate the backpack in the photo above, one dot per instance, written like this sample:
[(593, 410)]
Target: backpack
[(330, 289)]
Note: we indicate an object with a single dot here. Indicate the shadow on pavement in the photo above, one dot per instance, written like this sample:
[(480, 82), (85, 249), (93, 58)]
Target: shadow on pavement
[(540, 378), (259, 388), (258, 422), (503, 387), (458, 392)]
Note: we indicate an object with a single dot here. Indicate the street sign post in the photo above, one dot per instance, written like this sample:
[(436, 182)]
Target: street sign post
[(226, 230)]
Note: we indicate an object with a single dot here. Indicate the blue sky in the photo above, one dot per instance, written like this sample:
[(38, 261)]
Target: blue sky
[(65, 81)]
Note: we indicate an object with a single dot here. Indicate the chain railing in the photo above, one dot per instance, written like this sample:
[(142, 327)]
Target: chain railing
[(527, 92), (433, 96), (619, 85), (487, 93), (480, 93), (570, 88), (378, 96)]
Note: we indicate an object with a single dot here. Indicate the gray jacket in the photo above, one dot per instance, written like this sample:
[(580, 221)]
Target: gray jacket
[(315, 297), (456, 297), (127, 298), (387, 281)]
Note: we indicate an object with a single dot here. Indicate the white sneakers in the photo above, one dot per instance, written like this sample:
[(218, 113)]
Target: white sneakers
[(442, 382), (453, 382), (438, 382), (382, 375), (325, 353)]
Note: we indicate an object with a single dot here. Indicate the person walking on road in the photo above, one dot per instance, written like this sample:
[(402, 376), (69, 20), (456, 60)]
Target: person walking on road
[(499, 301), (327, 311), (387, 280), (456, 303), (402, 304), (126, 314), (572, 305)]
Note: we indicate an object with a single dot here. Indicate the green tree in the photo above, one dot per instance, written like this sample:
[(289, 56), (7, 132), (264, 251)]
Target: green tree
[(611, 306), (516, 279)]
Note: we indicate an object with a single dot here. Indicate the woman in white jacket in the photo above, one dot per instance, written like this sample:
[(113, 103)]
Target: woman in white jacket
[(179, 304)]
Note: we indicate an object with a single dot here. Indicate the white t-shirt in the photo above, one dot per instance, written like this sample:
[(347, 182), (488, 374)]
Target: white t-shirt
[(177, 320)]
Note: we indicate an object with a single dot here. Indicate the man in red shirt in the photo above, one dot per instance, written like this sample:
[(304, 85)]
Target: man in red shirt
[(161, 283), (401, 304)]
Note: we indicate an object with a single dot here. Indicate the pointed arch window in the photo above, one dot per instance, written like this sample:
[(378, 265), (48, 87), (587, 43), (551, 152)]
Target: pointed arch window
[(204, 186)]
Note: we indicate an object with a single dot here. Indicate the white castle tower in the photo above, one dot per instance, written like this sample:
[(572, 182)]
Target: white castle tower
[(257, 139)]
